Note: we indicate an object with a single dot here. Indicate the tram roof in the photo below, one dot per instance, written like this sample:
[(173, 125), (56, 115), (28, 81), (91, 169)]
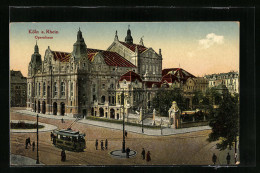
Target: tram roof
[(68, 133)]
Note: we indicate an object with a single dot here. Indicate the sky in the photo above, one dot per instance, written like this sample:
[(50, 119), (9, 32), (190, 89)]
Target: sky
[(198, 47)]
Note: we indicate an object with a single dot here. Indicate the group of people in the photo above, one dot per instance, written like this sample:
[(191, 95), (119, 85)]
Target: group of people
[(214, 158), (148, 155), (28, 142), (101, 144)]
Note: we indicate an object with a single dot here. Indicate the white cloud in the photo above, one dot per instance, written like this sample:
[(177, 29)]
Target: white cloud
[(210, 40)]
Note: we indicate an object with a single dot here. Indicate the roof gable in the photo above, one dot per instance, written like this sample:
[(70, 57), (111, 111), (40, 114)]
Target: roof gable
[(130, 77)]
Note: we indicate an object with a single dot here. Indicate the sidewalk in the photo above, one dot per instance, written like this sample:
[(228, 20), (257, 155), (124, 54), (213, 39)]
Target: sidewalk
[(135, 129), (18, 160)]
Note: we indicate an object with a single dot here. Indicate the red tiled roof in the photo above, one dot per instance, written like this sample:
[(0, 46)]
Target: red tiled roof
[(149, 84), (130, 76), (132, 47), (114, 59), (61, 56), (169, 78), (172, 74)]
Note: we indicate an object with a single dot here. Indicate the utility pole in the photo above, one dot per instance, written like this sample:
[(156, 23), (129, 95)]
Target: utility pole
[(123, 101), (37, 161), (143, 121)]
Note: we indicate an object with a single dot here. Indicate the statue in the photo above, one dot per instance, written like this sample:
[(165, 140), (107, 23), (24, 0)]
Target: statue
[(174, 115)]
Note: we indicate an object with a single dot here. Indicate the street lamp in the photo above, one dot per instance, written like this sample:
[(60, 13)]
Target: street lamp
[(123, 102), (37, 161), (143, 121)]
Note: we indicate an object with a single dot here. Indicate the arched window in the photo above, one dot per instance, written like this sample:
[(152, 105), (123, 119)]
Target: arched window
[(55, 89), (29, 89), (71, 89), (44, 89), (62, 88), (39, 91)]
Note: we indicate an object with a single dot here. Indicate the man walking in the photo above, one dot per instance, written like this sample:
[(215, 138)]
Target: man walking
[(125, 133), (33, 146), (214, 158), (102, 145), (63, 155), (96, 144), (51, 136), (29, 141), (26, 143), (148, 156), (127, 152), (228, 159), (143, 154), (106, 143)]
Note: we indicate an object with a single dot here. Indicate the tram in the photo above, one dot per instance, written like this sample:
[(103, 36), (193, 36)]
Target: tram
[(69, 140)]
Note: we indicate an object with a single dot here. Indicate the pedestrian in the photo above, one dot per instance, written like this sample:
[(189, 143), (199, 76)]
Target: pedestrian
[(125, 133), (54, 139), (235, 158), (228, 159), (143, 154), (26, 143), (62, 121), (51, 136), (63, 155), (102, 145), (106, 143), (33, 146), (127, 152), (214, 158), (148, 156), (29, 141), (96, 144)]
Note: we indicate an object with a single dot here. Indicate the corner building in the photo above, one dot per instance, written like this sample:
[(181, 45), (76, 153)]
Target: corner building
[(86, 81)]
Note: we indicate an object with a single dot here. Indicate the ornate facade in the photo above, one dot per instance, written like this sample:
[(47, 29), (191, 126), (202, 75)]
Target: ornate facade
[(90, 82), (84, 82)]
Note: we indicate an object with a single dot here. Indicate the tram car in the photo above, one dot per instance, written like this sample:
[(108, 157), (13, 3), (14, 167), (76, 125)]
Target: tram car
[(69, 140)]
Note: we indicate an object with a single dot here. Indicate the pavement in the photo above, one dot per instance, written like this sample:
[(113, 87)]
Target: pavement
[(134, 129), (47, 127), (18, 160)]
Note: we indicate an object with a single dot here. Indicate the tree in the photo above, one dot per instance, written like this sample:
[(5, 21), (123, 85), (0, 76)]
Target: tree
[(164, 98), (224, 122)]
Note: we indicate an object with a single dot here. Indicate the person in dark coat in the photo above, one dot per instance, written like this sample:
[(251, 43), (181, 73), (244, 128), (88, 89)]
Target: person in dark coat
[(143, 154), (125, 133), (51, 136), (96, 144), (63, 155), (214, 158), (29, 141), (127, 152), (33, 146), (26, 143), (228, 159), (106, 144), (148, 156), (102, 145), (54, 139)]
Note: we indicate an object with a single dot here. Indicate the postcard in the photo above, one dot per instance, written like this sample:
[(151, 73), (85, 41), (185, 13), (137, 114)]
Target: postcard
[(124, 93)]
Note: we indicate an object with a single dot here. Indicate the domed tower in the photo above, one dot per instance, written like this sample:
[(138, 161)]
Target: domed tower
[(79, 47), (36, 61), (129, 38)]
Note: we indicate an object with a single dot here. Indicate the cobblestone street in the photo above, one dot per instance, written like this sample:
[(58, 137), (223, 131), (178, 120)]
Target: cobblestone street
[(187, 148)]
